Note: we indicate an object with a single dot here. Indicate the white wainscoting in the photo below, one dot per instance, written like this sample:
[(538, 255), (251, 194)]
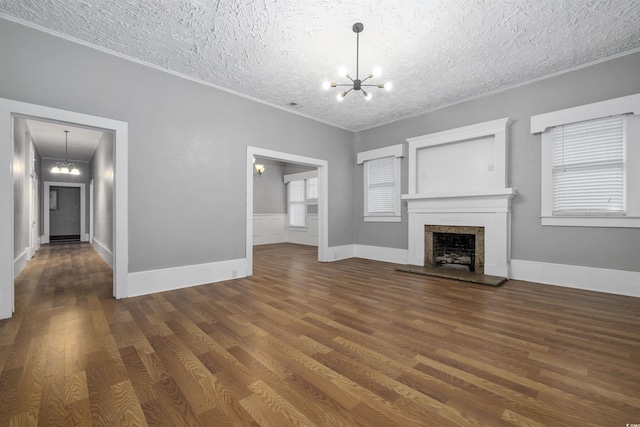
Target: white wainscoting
[(20, 262), (167, 279), (273, 228), (105, 253), (304, 235), (269, 228), (572, 276)]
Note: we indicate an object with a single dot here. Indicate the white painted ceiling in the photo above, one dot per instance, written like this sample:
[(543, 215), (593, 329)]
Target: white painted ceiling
[(435, 52), (49, 139)]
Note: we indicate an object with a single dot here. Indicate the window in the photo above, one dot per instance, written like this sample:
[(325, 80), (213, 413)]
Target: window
[(312, 188), (590, 165), (382, 183), (302, 196), (297, 205)]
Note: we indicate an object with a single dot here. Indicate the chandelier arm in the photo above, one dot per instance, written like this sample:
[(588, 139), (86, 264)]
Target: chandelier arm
[(344, 84), (348, 91)]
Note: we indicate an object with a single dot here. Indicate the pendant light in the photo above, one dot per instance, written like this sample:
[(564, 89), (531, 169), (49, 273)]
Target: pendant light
[(66, 167)]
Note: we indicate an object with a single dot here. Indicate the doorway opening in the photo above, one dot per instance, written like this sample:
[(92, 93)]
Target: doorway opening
[(9, 111), (322, 212)]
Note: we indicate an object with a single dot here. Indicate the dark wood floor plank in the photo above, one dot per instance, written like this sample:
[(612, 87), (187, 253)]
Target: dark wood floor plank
[(347, 343)]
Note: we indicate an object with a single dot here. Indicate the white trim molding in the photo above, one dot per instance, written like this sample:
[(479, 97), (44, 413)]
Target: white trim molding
[(489, 207), (544, 124), (379, 253), (47, 211), (323, 198), (398, 150), (167, 279), (8, 110), (610, 107), (20, 262), (571, 276), (269, 228), (102, 250)]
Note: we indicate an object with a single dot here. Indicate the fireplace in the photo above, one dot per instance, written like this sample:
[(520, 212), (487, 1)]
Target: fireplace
[(454, 247), (469, 193)]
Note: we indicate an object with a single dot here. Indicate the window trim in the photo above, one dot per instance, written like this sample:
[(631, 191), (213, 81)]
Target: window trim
[(544, 124), (397, 151)]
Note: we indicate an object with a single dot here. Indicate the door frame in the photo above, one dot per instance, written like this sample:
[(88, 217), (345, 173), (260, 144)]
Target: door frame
[(46, 238), (8, 110), (323, 198)]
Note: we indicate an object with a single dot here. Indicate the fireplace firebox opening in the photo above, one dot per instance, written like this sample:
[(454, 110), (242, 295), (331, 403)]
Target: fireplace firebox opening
[(454, 247), (454, 251)]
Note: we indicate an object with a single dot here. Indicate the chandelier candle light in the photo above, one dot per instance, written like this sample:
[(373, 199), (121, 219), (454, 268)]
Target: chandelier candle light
[(66, 167), (357, 84)]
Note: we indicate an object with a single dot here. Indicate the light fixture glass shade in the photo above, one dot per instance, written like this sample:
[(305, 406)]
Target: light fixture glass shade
[(74, 171), (356, 84)]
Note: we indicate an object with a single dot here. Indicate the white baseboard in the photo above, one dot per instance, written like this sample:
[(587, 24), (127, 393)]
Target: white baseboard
[(20, 262), (84, 237), (379, 253), (166, 279), (102, 250), (376, 253), (571, 276), (337, 253)]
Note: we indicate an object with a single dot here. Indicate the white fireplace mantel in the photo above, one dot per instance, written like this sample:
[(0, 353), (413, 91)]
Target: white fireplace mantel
[(442, 201)]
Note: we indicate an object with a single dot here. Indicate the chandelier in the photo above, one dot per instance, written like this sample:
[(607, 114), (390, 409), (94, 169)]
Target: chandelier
[(66, 167), (357, 84)]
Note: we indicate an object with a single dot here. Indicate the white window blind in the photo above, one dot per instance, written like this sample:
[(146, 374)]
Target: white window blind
[(588, 167), (297, 205), (312, 188), (381, 189)]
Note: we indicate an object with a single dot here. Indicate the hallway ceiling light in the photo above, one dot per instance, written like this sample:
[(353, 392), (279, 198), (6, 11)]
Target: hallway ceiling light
[(66, 167), (357, 84)]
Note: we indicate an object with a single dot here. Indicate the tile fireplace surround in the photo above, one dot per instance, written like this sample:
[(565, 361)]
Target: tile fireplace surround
[(433, 201)]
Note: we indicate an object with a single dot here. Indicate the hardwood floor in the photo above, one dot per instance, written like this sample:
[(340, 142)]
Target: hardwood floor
[(348, 343)]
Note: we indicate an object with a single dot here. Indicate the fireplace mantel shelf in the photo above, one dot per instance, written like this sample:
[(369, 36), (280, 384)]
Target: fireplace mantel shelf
[(500, 192)]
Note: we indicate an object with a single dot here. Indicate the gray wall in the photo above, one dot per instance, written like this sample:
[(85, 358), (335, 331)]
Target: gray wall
[(187, 145), (21, 170), (65, 220), (269, 191), (614, 248), (102, 175)]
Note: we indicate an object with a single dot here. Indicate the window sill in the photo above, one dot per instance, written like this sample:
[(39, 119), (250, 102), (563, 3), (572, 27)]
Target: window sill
[(591, 221), (382, 218), (297, 228)]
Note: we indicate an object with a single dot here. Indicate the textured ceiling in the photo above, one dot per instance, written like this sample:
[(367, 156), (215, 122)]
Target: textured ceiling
[(435, 53)]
